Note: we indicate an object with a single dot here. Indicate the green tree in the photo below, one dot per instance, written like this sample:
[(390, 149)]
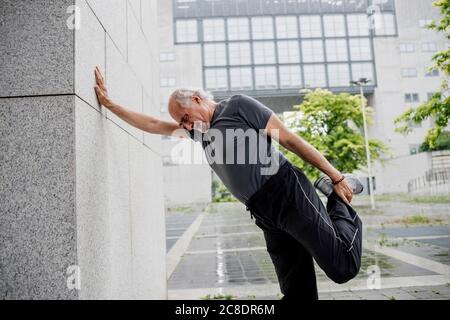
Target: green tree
[(332, 123), (438, 105)]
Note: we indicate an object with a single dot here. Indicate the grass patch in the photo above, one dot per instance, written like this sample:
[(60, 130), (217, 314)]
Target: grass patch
[(405, 197), (184, 209), (418, 219), (218, 297)]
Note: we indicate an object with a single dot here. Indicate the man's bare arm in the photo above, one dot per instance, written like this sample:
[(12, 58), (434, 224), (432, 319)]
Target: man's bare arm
[(144, 122), (136, 119), (307, 152)]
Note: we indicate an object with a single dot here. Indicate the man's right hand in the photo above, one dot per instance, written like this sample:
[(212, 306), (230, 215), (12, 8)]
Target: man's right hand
[(100, 89), (344, 191)]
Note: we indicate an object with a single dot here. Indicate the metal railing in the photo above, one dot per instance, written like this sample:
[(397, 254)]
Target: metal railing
[(433, 177)]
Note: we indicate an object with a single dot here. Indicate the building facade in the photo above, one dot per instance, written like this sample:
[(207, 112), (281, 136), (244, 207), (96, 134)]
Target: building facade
[(185, 181), (82, 211), (273, 49)]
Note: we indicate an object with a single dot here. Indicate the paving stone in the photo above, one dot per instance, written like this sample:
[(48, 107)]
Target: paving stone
[(255, 268)]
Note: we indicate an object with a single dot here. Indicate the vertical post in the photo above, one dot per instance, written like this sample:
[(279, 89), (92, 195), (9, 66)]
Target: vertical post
[(366, 137)]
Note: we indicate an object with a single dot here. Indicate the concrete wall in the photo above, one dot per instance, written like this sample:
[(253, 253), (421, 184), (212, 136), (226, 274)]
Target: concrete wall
[(393, 175), (79, 187), (185, 184)]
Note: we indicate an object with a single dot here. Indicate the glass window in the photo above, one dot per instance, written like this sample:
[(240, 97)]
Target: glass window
[(290, 77), (262, 28), (166, 56), (167, 82), (362, 70), (216, 79), (187, 30), (286, 27), (215, 54), (310, 27), (288, 52), (312, 50), (409, 72), (384, 24), (239, 53), (213, 30), (358, 25), (334, 25), (414, 149), (407, 47), (266, 77), (336, 50), (360, 49), (338, 75), (431, 73), (238, 29), (264, 52), (429, 47), (314, 75), (241, 78), (411, 97)]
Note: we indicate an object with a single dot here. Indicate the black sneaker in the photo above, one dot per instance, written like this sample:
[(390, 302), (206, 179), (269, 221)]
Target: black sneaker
[(325, 185)]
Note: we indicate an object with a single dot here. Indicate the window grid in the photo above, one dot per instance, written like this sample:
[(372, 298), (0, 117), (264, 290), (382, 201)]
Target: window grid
[(362, 70), (241, 78), (334, 25), (314, 75), (266, 77), (336, 50), (411, 97), (407, 47), (286, 27), (431, 73), (338, 75), (290, 76), (288, 51), (238, 29), (264, 52), (186, 30), (384, 24), (429, 47), (409, 72), (313, 51), (306, 51), (310, 26), (358, 25), (215, 54), (216, 79), (213, 29), (360, 49), (262, 28), (239, 53)]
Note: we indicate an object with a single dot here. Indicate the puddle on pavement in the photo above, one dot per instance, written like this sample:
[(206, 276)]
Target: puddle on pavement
[(255, 267)]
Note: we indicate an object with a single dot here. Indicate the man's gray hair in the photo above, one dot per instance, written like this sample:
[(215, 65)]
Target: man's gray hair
[(183, 95)]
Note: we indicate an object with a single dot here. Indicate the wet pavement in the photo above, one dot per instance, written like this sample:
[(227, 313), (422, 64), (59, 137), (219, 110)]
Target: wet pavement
[(227, 256)]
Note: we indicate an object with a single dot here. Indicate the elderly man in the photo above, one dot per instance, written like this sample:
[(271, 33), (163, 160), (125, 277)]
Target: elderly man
[(297, 226)]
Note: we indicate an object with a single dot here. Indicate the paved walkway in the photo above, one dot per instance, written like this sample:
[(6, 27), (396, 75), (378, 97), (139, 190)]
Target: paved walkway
[(222, 253)]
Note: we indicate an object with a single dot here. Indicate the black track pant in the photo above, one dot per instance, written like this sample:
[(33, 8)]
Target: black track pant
[(297, 228)]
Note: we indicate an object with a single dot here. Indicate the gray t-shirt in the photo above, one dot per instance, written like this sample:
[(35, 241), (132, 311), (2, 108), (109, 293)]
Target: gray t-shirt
[(236, 148)]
